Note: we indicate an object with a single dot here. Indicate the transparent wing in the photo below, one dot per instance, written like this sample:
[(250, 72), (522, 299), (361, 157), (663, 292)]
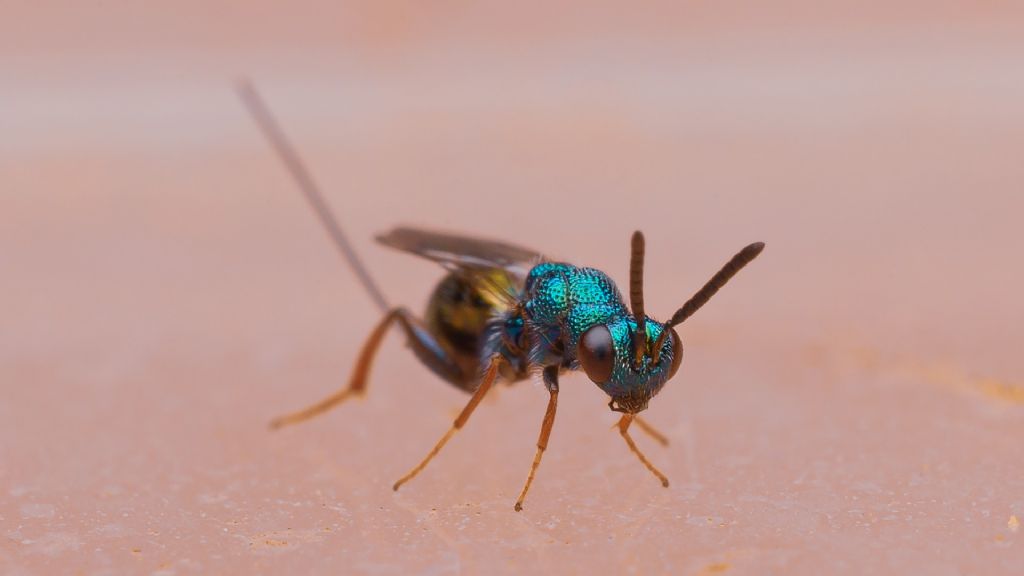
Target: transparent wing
[(454, 251)]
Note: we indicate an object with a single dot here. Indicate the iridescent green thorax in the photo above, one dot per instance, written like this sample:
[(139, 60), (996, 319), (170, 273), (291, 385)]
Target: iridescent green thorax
[(561, 302)]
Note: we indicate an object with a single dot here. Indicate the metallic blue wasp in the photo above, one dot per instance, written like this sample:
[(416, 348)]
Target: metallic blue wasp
[(504, 312)]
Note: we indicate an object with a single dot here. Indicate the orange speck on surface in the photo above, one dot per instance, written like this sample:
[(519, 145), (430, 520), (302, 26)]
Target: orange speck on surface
[(1005, 391)]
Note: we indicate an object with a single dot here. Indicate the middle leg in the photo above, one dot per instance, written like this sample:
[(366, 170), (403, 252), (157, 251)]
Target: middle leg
[(485, 384), (551, 381)]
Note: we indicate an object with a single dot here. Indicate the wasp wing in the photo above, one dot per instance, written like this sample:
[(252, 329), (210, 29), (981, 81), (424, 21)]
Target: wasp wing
[(492, 267), (455, 251)]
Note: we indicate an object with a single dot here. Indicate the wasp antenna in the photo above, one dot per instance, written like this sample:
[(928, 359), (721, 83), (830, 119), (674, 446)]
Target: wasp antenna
[(636, 295), (734, 265), (268, 125)]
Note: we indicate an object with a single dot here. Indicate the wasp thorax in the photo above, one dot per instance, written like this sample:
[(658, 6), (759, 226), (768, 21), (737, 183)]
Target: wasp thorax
[(596, 353)]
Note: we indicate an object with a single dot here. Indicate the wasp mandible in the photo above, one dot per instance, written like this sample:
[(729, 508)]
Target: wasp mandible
[(503, 312)]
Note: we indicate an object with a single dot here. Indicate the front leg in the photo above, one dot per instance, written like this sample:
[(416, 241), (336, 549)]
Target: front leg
[(651, 431), (551, 381), (623, 426)]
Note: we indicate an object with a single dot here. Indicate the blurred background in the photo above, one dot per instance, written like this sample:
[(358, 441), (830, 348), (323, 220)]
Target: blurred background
[(851, 403)]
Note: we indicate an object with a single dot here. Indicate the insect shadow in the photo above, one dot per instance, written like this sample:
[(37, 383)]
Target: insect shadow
[(503, 312)]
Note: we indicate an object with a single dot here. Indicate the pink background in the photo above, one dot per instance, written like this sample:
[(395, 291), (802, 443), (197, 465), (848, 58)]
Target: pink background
[(852, 403)]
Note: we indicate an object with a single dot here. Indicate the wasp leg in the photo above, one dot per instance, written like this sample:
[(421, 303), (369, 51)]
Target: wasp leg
[(624, 423), (485, 384), (422, 343), (651, 431), (551, 380), (647, 429)]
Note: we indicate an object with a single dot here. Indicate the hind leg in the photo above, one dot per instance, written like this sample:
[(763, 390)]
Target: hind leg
[(423, 343)]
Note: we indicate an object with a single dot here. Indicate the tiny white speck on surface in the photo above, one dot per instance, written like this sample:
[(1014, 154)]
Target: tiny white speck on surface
[(29, 511)]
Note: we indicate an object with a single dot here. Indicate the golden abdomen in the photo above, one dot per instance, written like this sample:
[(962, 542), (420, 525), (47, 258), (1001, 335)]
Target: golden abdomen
[(460, 308)]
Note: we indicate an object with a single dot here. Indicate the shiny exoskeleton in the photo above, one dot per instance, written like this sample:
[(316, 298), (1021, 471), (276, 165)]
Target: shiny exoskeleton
[(503, 312), (487, 321)]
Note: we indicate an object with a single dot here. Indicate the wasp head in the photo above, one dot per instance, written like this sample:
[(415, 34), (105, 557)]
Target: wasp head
[(632, 356), (606, 352)]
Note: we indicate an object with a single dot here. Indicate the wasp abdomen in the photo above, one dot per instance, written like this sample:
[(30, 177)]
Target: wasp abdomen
[(460, 311)]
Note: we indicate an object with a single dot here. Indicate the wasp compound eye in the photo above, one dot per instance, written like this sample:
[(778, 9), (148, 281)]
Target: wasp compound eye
[(677, 353), (596, 353)]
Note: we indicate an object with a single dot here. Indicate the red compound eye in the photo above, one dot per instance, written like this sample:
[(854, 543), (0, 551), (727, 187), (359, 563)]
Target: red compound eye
[(596, 353), (677, 353)]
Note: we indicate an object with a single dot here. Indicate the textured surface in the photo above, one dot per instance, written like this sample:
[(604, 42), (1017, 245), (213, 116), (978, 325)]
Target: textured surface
[(853, 403)]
